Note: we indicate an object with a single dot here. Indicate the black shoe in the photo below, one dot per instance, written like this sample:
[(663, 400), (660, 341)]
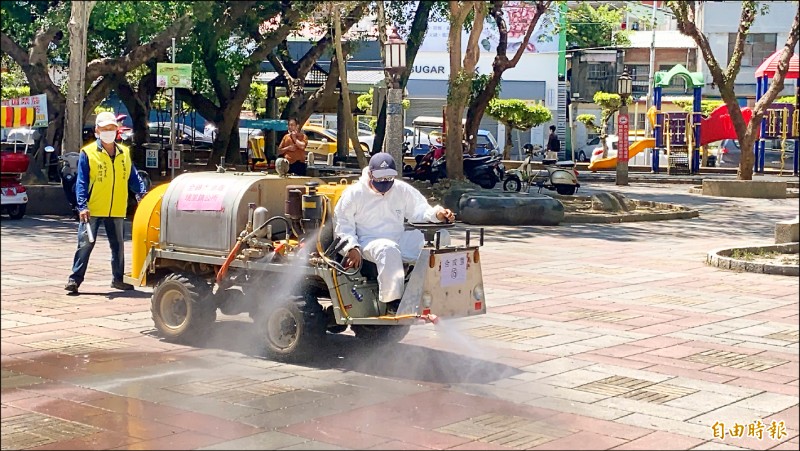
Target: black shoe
[(393, 307), (71, 286), (119, 285)]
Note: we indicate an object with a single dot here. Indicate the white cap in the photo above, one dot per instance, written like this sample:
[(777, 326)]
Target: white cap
[(105, 118)]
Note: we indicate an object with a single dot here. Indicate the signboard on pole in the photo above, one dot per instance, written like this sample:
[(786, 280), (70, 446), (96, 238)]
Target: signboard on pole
[(151, 159), (174, 75), (174, 161), (622, 134), (38, 103)]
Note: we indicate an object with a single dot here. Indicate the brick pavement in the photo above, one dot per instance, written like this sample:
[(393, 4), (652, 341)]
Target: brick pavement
[(597, 337)]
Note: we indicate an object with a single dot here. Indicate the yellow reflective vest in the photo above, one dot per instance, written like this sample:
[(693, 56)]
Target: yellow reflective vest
[(108, 180)]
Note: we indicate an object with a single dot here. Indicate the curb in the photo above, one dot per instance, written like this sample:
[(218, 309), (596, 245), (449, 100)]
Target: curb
[(791, 193), (676, 212), (721, 259)]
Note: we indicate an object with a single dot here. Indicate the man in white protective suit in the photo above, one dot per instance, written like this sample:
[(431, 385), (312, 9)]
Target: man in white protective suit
[(369, 217)]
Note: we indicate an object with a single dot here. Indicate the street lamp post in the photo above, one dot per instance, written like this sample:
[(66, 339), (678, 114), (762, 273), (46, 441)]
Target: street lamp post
[(395, 51), (624, 88)]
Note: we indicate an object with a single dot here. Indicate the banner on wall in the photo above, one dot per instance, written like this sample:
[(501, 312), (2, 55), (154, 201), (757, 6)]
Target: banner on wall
[(518, 15), (38, 103)]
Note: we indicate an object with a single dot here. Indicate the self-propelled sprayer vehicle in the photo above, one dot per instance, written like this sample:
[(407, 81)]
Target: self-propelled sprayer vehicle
[(215, 241)]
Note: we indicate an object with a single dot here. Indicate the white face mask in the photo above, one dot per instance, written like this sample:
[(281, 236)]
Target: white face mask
[(108, 137)]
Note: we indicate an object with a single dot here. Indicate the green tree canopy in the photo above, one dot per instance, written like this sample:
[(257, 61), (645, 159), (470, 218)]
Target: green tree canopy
[(706, 106), (589, 27), (517, 114)]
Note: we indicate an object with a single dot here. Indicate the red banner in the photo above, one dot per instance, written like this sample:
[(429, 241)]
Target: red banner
[(622, 134)]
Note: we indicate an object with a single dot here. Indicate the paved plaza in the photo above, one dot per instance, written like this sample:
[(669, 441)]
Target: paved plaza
[(597, 336)]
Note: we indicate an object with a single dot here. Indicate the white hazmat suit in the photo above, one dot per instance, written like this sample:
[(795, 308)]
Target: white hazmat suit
[(374, 222)]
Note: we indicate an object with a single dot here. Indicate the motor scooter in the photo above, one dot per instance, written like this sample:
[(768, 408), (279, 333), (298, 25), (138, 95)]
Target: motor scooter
[(423, 169), (558, 176), (69, 176), (483, 170)]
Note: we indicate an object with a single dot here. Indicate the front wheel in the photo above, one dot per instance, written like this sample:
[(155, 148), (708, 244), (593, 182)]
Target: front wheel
[(183, 308), (512, 184), (17, 211), (582, 156)]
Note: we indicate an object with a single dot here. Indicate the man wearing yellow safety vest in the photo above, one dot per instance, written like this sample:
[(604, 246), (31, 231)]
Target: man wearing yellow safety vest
[(105, 174)]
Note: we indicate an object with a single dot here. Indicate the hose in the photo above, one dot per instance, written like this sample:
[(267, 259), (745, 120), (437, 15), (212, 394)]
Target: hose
[(223, 270)]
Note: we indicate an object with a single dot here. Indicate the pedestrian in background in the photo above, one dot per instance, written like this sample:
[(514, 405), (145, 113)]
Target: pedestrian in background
[(293, 148), (105, 174), (553, 145)]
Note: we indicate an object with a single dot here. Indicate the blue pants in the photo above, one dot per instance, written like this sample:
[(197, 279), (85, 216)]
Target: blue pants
[(114, 231)]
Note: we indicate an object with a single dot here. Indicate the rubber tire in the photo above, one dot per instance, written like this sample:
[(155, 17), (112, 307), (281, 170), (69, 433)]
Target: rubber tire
[(582, 156), (17, 211), (311, 329), (201, 311), (488, 185), (566, 190), (380, 335), (512, 184)]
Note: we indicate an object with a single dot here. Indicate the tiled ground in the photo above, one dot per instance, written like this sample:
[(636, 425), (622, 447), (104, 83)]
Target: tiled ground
[(597, 337)]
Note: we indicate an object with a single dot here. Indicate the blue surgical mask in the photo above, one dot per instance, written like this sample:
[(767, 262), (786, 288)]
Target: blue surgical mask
[(382, 187)]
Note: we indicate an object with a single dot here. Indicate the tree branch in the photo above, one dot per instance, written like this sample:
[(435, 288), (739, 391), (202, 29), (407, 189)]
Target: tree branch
[(97, 93), (746, 20), (157, 46), (776, 85), (473, 50), (419, 28), (541, 8), (306, 62), (14, 50)]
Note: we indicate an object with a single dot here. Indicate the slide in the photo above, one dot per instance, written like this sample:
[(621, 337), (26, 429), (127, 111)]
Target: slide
[(611, 162)]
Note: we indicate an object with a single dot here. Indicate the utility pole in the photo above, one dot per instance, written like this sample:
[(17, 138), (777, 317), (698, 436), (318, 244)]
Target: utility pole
[(76, 85), (172, 134), (651, 77)]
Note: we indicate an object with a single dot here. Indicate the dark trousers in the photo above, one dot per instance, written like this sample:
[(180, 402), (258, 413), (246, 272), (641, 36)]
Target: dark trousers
[(114, 232), (298, 168)]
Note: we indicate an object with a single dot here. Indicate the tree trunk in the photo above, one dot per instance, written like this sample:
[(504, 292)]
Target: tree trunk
[(501, 63), (507, 146), (348, 111), (380, 129), (78, 25), (477, 108)]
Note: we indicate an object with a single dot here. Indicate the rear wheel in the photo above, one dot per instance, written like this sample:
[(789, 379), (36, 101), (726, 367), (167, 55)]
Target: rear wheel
[(488, 184), (512, 184), (17, 211), (183, 307), (380, 334), (565, 190)]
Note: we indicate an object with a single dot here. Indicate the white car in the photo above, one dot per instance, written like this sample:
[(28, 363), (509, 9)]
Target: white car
[(584, 153)]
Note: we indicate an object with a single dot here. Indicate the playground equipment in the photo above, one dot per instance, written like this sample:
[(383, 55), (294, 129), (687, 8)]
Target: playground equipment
[(781, 119), (678, 133), (610, 162)]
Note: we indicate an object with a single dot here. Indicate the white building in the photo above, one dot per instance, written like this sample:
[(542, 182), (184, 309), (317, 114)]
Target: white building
[(720, 21), (535, 78)]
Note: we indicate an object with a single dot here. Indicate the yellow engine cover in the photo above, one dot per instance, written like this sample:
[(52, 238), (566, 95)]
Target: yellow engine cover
[(145, 229), (333, 191)]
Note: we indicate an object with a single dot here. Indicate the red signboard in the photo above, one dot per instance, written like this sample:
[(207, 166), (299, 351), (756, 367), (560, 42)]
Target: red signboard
[(622, 134)]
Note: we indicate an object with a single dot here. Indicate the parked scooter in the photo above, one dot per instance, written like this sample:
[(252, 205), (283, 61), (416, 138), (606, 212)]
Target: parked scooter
[(423, 169), (560, 177), (485, 170)]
